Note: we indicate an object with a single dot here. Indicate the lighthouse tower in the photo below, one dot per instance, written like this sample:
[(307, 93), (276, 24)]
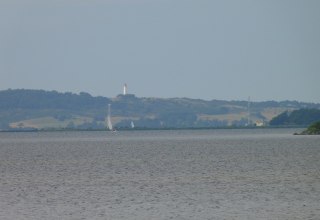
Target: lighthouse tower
[(125, 89)]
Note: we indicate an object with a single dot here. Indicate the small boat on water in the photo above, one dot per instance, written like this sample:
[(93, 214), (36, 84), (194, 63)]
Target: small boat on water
[(109, 123)]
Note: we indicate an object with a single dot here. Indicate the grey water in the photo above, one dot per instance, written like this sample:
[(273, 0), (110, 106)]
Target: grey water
[(191, 174)]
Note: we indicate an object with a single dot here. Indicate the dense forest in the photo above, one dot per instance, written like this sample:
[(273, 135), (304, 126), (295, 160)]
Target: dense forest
[(38, 109), (301, 117), (40, 99)]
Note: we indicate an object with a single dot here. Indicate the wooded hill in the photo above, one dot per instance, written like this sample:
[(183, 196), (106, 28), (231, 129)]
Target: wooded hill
[(39, 109), (302, 117)]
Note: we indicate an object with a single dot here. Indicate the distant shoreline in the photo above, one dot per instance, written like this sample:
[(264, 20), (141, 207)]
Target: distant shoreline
[(153, 129)]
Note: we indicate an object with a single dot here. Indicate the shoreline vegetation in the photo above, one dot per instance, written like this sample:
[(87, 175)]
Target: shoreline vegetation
[(313, 129)]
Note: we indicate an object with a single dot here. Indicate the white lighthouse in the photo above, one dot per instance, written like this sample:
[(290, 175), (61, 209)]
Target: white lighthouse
[(125, 89)]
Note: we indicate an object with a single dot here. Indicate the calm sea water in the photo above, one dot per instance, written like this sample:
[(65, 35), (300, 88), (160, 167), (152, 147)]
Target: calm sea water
[(202, 174)]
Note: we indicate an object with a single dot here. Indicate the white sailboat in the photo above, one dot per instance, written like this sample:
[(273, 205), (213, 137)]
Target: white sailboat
[(109, 123), (132, 124)]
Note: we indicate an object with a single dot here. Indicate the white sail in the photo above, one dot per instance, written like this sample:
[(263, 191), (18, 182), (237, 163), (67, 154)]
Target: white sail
[(109, 123), (132, 124)]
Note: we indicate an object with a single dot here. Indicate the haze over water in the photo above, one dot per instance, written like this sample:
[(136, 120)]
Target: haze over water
[(192, 174)]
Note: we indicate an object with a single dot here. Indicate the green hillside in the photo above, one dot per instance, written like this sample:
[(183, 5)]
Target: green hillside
[(39, 109), (301, 117)]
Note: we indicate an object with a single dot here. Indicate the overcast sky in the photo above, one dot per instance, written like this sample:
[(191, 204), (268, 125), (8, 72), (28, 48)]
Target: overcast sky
[(227, 49)]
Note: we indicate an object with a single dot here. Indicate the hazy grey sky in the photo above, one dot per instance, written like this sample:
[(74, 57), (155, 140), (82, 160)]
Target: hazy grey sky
[(227, 49)]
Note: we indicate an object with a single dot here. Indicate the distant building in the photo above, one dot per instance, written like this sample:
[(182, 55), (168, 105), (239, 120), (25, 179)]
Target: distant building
[(259, 123)]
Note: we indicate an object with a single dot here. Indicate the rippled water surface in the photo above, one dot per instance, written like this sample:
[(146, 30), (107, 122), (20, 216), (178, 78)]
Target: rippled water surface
[(202, 174)]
